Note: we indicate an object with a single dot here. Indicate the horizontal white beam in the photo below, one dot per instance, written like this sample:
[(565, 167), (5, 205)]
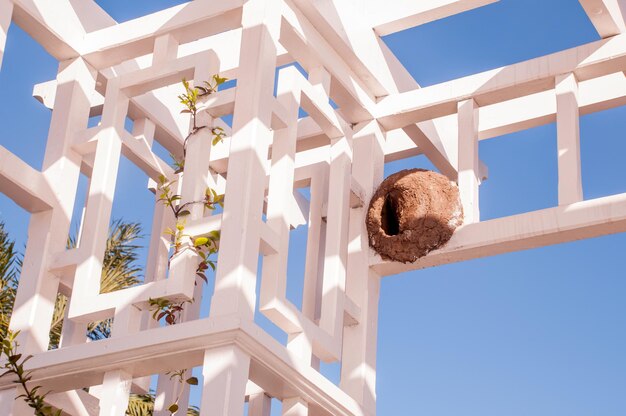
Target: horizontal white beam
[(538, 109), (138, 151), (607, 16), (75, 402), (577, 221), (396, 16), (26, 186), (164, 74), (277, 371), (588, 61), (53, 24), (305, 44), (343, 26), (187, 22)]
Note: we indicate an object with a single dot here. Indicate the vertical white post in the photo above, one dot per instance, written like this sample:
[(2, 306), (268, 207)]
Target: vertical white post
[(158, 251), (100, 195), (358, 363), (568, 139), (315, 249), (469, 175), (72, 333), (165, 49), (6, 12), (336, 253), (295, 407), (194, 181), (115, 392), (312, 292), (48, 231), (225, 374), (259, 404), (316, 238), (235, 282)]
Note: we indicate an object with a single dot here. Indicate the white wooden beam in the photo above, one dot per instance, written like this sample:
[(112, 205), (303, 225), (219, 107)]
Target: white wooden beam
[(225, 375), (607, 16), (400, 15), (91, 16), (26, 186), (469, 169), (54, 25), (358, 361), (295, 406), (259, 404), (274, 369), (588, 61), (186, 22), (235, 279), (344, 27), (568, 139), (577, 221), (36, 294), (6, 13), (75, 402), (114, 393)]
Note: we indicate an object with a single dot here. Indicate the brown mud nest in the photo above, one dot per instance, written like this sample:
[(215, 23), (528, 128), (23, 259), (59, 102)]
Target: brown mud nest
[(412, 213)]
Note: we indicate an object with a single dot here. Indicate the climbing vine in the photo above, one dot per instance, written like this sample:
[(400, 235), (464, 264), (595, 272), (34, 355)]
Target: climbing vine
[(204, 247), (14, 365), (163, 309)]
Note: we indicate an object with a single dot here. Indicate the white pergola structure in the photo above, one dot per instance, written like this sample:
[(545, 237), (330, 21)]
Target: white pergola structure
[(363, 109)]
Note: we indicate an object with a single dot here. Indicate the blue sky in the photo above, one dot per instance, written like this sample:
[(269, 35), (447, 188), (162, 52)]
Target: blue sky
[(539, 332)]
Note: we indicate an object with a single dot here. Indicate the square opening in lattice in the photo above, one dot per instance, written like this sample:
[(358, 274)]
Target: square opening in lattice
[(602, 150), (523, 174)]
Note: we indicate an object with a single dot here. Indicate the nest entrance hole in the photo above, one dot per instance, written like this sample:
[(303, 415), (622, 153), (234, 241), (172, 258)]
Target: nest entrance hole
[(390, 216)]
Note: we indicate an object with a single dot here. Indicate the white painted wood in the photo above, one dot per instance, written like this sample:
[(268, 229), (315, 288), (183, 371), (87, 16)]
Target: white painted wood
[(585, 219), (26, 186), (280, 194), (336, 247), (587, 62), (358, 363), (264, 166), (568, 139), (235, 279), (54, 25), (469, 169), (6, 12), (114, 393), (165, 49), (112, 45), (295, 407), (606, 15), (38, 288), (225, 375), (402, 15), (100, 198), (259, 404)]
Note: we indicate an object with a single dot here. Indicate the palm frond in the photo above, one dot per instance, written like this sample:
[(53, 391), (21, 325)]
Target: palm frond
[(143, 405), (9, 274), (119, 271)]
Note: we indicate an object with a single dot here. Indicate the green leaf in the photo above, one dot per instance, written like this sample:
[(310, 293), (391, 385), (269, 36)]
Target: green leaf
[(193, 381), (200, 241)]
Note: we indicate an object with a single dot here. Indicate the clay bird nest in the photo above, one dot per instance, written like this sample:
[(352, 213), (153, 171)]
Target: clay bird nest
[(412, 213)]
